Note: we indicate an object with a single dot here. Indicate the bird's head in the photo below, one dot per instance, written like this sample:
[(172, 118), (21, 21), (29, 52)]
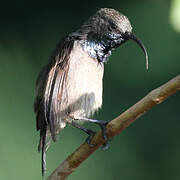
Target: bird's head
[(109, 22), (111, 28)]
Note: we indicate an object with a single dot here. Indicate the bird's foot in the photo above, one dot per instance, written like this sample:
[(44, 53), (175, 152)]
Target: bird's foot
[(90, 133), (103, 125), (89, 138)]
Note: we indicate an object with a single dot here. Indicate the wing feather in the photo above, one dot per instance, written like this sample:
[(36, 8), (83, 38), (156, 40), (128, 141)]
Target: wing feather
[(48, 93), (49, 87)]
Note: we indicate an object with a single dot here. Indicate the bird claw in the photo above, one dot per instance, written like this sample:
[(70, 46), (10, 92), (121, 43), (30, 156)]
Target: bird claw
[(103, 125), (105, 146), (89, 138)]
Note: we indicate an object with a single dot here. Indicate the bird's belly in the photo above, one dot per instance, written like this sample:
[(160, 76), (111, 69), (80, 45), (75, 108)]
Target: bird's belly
[(84, 84)]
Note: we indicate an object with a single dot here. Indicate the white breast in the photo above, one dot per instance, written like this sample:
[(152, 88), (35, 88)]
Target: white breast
[(84, 84)]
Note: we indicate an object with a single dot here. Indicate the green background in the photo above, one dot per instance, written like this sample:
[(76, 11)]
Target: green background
[(148, 149)]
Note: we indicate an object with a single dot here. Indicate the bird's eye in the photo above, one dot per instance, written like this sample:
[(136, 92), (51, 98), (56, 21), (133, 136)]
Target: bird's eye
[(112, 26)]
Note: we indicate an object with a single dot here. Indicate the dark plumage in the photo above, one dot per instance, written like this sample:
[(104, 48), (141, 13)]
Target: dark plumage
[(69, 87)]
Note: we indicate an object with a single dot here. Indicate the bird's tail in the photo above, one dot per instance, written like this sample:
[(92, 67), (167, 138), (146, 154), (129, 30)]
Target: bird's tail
[(42, 147)]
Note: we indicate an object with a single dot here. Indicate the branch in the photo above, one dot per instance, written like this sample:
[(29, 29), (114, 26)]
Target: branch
[(114, 127)]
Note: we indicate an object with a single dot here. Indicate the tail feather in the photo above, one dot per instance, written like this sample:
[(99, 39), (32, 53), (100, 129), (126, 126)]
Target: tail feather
[(42, 147), (44, 155)]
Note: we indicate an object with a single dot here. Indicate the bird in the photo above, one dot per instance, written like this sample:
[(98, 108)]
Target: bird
[(69, 87)]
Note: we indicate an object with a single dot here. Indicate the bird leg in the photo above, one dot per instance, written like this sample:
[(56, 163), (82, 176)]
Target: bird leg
[(88, 131), (101, 123)]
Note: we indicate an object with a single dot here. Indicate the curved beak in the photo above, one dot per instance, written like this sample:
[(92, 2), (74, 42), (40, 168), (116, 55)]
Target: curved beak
[(139, 42)]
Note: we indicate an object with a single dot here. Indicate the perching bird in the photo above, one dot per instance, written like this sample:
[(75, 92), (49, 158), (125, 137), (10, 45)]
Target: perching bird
[(69, 88)]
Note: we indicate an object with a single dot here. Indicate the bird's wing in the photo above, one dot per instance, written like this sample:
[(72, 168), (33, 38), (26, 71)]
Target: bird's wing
[(49, 87), (48, 94)]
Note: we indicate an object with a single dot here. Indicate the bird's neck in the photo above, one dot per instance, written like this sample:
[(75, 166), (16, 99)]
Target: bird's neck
[(98, 47)]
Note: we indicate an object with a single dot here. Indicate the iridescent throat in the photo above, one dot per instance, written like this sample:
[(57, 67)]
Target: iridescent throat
[(100, 47)]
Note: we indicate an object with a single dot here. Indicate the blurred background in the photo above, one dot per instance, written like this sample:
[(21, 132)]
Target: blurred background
[(149, 148)]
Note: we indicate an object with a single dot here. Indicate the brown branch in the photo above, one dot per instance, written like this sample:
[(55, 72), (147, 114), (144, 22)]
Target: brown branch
[(115, 127)]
